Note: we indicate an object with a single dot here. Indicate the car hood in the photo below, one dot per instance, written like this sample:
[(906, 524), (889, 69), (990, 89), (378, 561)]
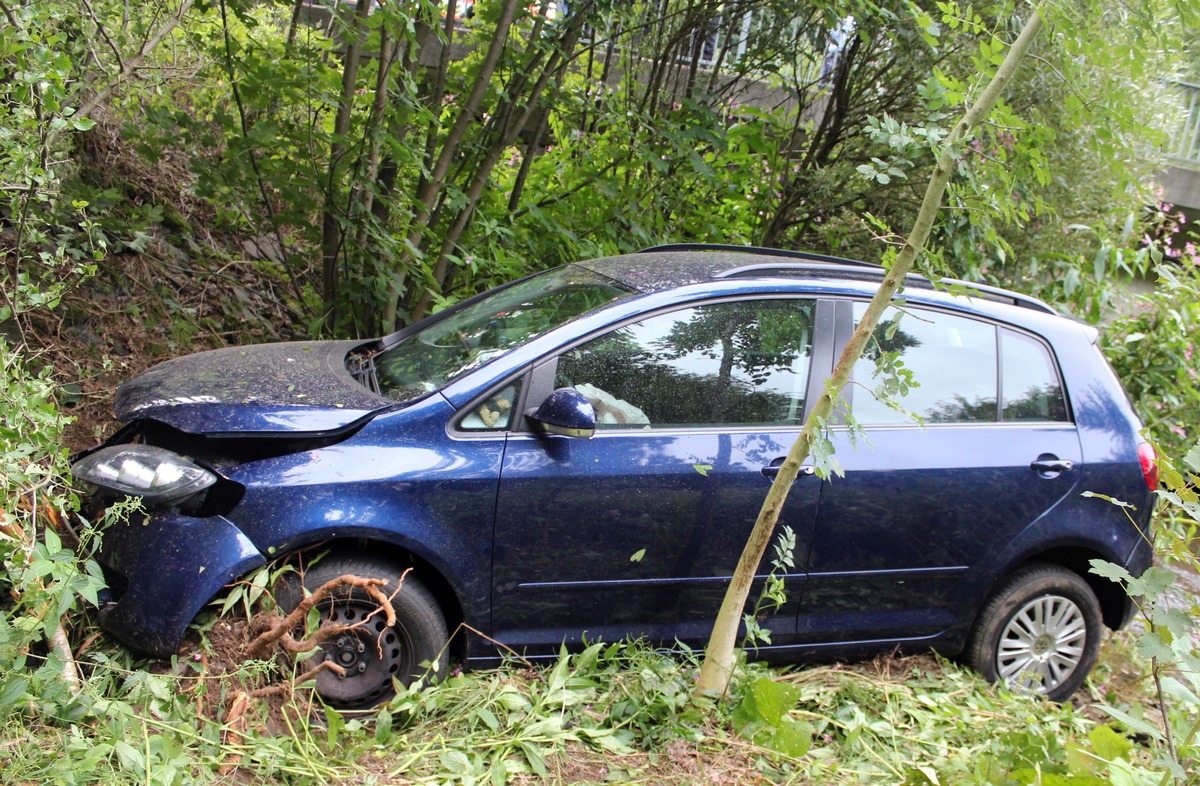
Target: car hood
[(300, 386)]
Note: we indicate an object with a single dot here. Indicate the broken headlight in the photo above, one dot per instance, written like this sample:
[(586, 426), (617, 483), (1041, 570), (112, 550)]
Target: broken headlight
[(157, 475)]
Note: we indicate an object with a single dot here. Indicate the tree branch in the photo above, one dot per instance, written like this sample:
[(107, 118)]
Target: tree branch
[(135, 62)]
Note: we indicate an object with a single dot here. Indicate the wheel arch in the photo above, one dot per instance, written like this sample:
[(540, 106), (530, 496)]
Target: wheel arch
[(1114, 602)]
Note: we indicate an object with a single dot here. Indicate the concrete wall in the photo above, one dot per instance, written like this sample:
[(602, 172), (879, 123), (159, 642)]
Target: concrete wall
[(1181, 186)]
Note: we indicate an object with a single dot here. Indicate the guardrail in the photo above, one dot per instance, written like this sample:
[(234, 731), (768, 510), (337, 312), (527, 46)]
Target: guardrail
[(1185, 142)]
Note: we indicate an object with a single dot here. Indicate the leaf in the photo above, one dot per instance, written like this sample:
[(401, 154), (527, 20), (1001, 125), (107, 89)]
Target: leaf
[(13, 692), (1154, 581), (1108, 744), (132, 760), (1192, 458), (557, 680), (767, 701), (1179, 692), (637, 555), (533, 755), (455, 762), (1100, 262), (53, 542), (1174, 619), (607, 739), (258, 585), (488, 717), (793, 738), (702, 468), (922, 776), (383, 727), (1110, 571), (1136, 725), (1152, 645), (334, 723)]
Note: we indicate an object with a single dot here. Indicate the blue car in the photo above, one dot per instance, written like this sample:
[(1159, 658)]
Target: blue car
[(580, 455)]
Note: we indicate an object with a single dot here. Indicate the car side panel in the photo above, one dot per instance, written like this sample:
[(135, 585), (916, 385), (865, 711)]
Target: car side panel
[(902, 538), (634, 533), (170, 565), (401, 480)]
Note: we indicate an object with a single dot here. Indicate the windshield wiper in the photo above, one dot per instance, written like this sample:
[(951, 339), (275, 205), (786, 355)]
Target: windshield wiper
[(362, 368)]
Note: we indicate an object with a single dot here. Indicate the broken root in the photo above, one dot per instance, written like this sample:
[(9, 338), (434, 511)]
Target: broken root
[(280, 630), (268, 636)]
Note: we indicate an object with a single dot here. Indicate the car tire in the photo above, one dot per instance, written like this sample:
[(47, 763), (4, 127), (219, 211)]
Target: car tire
[(372, 654), (1039, 632)]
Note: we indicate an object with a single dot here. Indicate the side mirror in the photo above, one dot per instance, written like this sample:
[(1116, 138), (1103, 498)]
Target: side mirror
[(565, 412)]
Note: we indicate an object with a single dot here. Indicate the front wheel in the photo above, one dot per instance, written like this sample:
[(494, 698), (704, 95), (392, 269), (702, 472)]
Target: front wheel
[(369, 652), (1039, 632)]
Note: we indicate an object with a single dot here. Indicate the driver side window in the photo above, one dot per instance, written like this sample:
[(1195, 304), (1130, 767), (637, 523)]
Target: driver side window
[(743, 362)]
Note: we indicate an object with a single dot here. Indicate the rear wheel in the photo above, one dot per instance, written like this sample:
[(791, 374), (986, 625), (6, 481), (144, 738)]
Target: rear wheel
[(370, 653), (1039, 632)]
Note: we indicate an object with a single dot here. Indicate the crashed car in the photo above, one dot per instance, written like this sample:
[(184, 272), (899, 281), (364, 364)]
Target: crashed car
[(581, 454)]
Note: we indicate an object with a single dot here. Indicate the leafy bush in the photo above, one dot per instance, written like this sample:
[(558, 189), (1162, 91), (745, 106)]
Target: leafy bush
[(1154, 351), (1169, 638), (44, 578)]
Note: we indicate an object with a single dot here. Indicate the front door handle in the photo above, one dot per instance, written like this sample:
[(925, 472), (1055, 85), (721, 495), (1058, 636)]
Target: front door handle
[(773, 470)]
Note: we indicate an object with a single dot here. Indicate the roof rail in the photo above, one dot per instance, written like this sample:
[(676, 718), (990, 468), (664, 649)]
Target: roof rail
[(999, 293), (823, 264)]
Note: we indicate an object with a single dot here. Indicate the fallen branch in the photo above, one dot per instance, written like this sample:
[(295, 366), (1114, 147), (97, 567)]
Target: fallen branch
[(279, 635), (70, 671), (286, 687)]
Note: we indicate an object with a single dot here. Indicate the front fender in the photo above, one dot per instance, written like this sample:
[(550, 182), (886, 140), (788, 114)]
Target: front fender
[(170, 566), (438, 504)]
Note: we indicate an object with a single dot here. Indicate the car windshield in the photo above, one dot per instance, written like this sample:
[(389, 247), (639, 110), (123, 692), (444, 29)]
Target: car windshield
[(464, 340)]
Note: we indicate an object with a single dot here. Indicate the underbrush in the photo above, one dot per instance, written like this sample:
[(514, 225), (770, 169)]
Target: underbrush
[(613, 713)]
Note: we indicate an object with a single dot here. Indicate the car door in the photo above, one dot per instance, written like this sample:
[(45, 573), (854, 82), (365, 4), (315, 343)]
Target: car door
[(636, 531), (902, 538)]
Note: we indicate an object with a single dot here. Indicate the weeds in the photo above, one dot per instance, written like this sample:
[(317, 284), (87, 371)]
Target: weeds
[(612, 713)]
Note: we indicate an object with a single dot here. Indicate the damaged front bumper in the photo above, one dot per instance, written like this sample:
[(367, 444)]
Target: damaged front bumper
[(163, 567), (167, 560)]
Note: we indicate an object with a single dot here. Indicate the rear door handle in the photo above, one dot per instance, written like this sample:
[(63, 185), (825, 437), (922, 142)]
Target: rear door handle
[(1051, 466)]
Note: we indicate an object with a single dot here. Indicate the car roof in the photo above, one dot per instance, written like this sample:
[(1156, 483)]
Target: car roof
[(671, 266)]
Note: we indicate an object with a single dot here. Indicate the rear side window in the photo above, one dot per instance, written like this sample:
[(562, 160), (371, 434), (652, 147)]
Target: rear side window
[(1032, 390), (963, 370)]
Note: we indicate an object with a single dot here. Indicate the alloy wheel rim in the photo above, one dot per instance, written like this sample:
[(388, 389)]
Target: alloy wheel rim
[(1042, 645)]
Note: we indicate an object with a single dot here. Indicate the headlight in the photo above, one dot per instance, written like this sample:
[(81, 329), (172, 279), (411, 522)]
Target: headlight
[(143, 471)]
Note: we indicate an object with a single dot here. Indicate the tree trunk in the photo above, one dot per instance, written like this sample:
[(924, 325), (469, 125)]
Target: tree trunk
[(331, 231), (428, 196)]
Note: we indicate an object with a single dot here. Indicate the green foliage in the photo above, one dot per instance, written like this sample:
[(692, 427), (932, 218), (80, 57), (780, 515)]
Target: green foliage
[(1154, 351), (773, 595), (46, 245), (915, 721), (491, 728), (622, 151), (43, 580), (1025, 208), (44, 240), (762, 715), (1167, 641)]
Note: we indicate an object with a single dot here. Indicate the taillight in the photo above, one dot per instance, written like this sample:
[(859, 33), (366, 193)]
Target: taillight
[(1149, 462)]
